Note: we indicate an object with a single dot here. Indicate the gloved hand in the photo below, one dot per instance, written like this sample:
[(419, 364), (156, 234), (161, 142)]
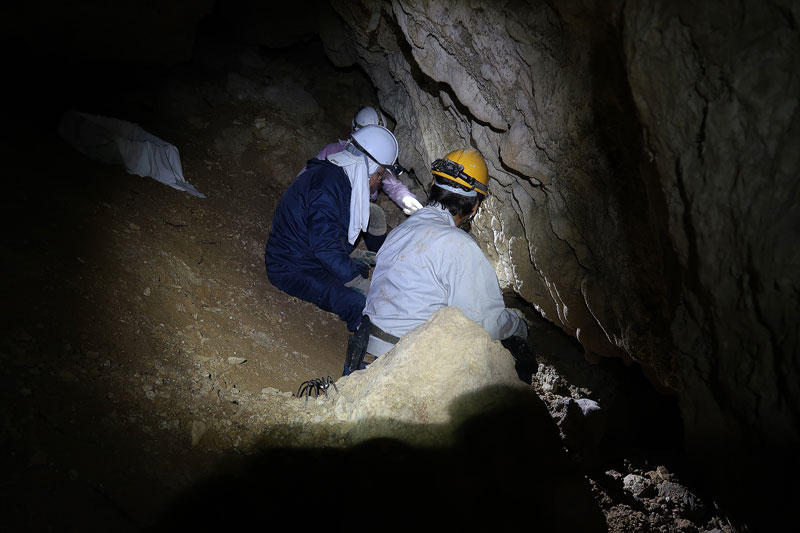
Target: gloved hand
[(522, 328), (366, 257), (359, 284), (410, 204), (362, 268)]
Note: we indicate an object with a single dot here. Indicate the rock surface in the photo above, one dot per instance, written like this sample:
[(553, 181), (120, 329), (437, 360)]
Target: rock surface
[(421, 380), (644, 193)]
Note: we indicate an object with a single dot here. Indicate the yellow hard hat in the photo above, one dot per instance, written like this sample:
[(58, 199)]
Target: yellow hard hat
[(466, 167)]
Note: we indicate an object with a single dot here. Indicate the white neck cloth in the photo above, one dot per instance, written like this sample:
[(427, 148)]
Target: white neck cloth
[(356, 170)]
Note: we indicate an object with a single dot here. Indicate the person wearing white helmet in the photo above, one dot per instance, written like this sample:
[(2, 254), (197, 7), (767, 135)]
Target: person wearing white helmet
[(318, 219), (390, 184), (368, 115)]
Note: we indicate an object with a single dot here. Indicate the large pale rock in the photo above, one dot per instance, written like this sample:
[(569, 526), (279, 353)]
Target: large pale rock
[(411, 391)]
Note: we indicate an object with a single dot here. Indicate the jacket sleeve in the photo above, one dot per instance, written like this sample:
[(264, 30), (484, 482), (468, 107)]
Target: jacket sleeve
[(328, 218), (396, 190), (475, 290)]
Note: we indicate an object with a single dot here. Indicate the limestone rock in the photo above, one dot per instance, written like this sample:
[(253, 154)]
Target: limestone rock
[(411, 391)]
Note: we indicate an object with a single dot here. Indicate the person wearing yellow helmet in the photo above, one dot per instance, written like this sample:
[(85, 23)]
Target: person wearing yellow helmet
[(446, 268), (464, 167)]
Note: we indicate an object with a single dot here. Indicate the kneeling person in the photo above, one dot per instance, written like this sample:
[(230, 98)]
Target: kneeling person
[(318, 219), (428, 262)]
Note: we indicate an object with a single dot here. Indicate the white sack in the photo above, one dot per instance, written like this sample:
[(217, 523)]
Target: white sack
[(124, 143)]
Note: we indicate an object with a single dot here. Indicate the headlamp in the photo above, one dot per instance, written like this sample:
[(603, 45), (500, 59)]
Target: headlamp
[(456, 172), (396, 170), (445, 166)]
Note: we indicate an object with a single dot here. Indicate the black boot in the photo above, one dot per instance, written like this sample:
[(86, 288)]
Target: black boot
[(524, 357), (357, 347)]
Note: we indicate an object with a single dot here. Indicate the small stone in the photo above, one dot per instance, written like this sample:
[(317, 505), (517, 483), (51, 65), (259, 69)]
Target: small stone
[(237, 360), (635, 484), (147, 291), (198, 430), (587, 406), (679, 495), (663, 473)]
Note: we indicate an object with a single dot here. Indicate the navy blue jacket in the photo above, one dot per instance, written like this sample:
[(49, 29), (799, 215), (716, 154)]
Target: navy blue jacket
[(309, 227)]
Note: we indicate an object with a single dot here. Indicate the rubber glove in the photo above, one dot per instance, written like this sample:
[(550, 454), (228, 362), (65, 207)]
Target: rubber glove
[(368, 258), (359, 284), (521, 331), (522, 327), (362, 269), (410, 204)]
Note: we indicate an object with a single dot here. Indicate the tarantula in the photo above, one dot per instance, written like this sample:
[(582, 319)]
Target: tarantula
[(315, 386)]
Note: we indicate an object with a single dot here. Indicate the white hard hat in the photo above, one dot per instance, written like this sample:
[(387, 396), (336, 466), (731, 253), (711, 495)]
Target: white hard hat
[(377, 143), (368, 115)]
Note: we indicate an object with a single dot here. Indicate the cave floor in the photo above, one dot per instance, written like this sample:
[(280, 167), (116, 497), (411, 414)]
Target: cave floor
[(140, 325)]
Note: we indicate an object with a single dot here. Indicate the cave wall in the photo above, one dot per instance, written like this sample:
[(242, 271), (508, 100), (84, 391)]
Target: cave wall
[(644, 177), (717, 91)]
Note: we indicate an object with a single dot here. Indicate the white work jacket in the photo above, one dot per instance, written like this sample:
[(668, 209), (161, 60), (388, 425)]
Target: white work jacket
[(427, 262)]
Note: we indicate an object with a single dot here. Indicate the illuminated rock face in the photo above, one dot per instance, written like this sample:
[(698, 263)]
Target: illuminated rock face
[(520, 87), (421, 390), (644, 177)]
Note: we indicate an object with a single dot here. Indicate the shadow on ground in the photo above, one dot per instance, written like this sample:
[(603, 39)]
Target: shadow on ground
[(506, 467)]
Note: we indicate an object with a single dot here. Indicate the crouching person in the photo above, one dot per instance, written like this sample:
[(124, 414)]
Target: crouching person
[(318, 219), (428, 262)]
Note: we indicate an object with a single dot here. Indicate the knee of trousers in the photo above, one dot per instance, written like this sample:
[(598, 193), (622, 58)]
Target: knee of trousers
[(321, 289), (377, 220)]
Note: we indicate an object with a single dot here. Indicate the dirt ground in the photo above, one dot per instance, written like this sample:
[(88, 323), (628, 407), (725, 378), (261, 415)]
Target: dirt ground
[(141, 330)]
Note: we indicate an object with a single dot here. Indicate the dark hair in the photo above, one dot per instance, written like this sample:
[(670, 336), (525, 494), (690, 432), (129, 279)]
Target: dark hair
[(457, 204)]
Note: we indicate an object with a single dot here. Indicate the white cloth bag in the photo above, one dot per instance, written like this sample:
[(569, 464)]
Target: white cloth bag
[(124, 143)]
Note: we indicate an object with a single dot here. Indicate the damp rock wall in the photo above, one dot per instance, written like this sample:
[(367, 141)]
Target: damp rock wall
[(644, 167), (716, 91)]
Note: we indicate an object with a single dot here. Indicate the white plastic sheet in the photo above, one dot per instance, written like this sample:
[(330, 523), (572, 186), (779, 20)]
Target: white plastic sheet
[(124, 143)]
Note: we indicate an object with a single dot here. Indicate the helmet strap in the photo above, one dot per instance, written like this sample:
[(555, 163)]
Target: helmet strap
[(357, 149), (456, 190)]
